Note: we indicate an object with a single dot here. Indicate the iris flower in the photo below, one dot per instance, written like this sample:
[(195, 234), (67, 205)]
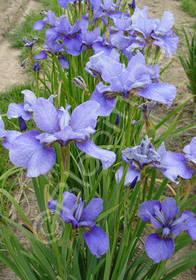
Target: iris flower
[(83, 217), (170, 164), (33, 149), (160, 246)]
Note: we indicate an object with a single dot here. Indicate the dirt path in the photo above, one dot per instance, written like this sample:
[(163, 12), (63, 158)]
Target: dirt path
[(11, 73), (11, 14)]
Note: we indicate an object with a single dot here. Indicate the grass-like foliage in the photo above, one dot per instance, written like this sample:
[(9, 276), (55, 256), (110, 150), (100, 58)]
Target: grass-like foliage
[(189, 6), (188, 60), (108, 200)]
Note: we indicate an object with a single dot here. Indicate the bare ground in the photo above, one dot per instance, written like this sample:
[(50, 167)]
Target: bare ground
[(11, 74)]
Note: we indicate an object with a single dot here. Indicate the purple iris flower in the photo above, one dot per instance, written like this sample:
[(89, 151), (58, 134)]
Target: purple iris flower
[(50, 20), (154, 31), (52, 46), (33, 150), (29, 44), (160, 246), (190, 151), (135, 76), (83, 217), (36, 66), (164, 36), (89, 37), (170, 164), (70, 34), (173, 165)]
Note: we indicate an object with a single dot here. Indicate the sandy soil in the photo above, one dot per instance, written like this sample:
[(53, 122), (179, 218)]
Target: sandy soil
[(11, 73), (12, 13)]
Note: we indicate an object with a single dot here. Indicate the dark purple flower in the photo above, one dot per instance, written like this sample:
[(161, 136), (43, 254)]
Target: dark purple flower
[(160, 246), (36, 66), (42, 55), (89, 37), (29, 44), (22, 124), (80, 217), (64, 3), (132, 5), (117, 121)]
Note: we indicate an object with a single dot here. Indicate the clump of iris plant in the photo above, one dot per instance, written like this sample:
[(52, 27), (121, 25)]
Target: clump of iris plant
[(139, 157), (82, 217), (164, 217)]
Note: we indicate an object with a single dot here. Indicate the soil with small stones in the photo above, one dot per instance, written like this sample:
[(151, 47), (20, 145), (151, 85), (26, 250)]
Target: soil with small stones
[(11, 74)]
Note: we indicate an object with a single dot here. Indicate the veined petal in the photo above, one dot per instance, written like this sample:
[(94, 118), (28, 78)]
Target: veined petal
[(84, 117), (170, 209), (175, 166), (159, 249), (97, 241), (107, 157), (160, 92), (10, 137), (68, 207), (46, 116), (40, 24), (26, 151), (92, 210), (119, 174), (147, 209), (107, 104), (132, 173)]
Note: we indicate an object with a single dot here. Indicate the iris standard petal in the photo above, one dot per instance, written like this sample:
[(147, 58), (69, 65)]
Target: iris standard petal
[(132, 173), (97, 241), (46, 116), (92, 210), (107, 157), (84, 117), (67, 209), (159, 249), (119, 174), (170, 209)]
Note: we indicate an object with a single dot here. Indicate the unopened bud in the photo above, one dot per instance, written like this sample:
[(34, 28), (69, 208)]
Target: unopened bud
[(79, 82)]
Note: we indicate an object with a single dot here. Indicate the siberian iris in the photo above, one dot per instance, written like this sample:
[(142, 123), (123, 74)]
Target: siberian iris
[(83, 217), (160, 246)]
